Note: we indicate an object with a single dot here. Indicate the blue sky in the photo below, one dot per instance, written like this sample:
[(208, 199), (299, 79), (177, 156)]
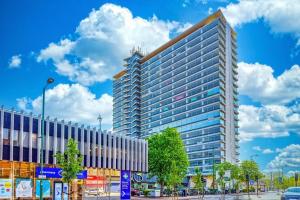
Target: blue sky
[(81, 44)]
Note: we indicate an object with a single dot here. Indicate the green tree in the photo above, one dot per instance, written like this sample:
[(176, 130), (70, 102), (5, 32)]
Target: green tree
[(250, 168), (199, 186), (167, 156), (221, 170), (70, 162)]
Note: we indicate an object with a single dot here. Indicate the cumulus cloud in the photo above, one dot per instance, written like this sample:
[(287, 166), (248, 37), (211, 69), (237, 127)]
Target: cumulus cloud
[(266, 88), (267, 151), (288, 157), (72, 103), (103, 40), (268, 121), (281, 15), (15, 61), (264, 151)]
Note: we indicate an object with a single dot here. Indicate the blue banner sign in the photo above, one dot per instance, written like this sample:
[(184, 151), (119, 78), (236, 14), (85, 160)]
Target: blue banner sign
[(125, 185), (57, 173)]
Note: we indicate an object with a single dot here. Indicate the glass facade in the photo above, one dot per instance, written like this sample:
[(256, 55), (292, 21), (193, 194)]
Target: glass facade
[(190, 84)]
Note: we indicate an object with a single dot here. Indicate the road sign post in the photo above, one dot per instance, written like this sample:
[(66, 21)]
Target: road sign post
[(125, 193)]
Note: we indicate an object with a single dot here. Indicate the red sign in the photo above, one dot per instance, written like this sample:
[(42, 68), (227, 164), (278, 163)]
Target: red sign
[(95, 181)]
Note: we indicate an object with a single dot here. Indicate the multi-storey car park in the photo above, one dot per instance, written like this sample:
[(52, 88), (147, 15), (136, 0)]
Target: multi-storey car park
[(189, 83), (105, 154)]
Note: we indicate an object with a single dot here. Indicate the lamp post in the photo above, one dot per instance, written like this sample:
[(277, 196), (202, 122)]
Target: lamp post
[(49, 81), (98, 191)]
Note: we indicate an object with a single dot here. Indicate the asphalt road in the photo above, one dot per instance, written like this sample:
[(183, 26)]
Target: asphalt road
[(262, 196)]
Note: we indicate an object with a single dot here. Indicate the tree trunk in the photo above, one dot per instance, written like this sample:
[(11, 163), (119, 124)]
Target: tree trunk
[(161, 189), (69, 191)]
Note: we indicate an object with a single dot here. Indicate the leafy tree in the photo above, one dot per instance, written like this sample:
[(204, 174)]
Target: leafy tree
[(249, 168), (167, 156), (197, 179), (174, 178), (70, 162), (221, 169)]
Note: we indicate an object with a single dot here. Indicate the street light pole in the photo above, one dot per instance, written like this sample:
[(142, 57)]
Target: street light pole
[(49, 81), (98, 191)]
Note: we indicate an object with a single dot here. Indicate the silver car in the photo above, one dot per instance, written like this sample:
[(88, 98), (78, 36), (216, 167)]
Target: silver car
[(292, 193)]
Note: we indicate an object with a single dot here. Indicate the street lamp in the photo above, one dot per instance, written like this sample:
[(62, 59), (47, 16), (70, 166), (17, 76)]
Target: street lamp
[(49, 81)]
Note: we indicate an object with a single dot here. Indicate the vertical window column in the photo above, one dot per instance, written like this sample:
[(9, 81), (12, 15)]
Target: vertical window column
[(109, 149), (104, 149), (94, 148), (123, 153), (114, 151), (146, 156), (12, 130), (131, 155), (82, 143), (119, 152), (30, 137), (127, 153), (88, 148), (139, 155), (21, 136), (1, 132), (55, 141), (99, 148), (62, 137)]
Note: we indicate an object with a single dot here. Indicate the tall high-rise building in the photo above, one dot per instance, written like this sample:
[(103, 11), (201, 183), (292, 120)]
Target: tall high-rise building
[(189, 83)]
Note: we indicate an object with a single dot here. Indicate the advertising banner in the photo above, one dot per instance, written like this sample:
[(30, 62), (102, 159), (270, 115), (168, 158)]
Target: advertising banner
[(57, 173), (46, 188), (65, 191), (125, 185), (5, 188), (24, 187), (57, 191)]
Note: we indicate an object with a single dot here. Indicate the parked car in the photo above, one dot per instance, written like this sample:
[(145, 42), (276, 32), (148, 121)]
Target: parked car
[(135, 192), (292, 193)]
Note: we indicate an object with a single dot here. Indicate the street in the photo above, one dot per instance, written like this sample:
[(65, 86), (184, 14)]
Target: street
[(263, 196)]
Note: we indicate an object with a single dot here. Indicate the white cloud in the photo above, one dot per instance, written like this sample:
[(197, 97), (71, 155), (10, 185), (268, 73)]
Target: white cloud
[(103, 40), (269, 121), (267, 151), (272, 90), (72, 103), (281, 15), (15, 61), (288, 157), (264, 151), (256, 148)]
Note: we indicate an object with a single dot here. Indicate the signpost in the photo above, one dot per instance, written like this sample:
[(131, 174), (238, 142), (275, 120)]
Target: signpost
[(125, 185), (56, 173)]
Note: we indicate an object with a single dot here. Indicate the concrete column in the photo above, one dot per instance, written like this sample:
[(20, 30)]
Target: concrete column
[(39, 138), (47, 145), (62, 136)]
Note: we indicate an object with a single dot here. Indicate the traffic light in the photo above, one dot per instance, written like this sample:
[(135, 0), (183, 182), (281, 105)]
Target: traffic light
[(203, 180), (256, 178)]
